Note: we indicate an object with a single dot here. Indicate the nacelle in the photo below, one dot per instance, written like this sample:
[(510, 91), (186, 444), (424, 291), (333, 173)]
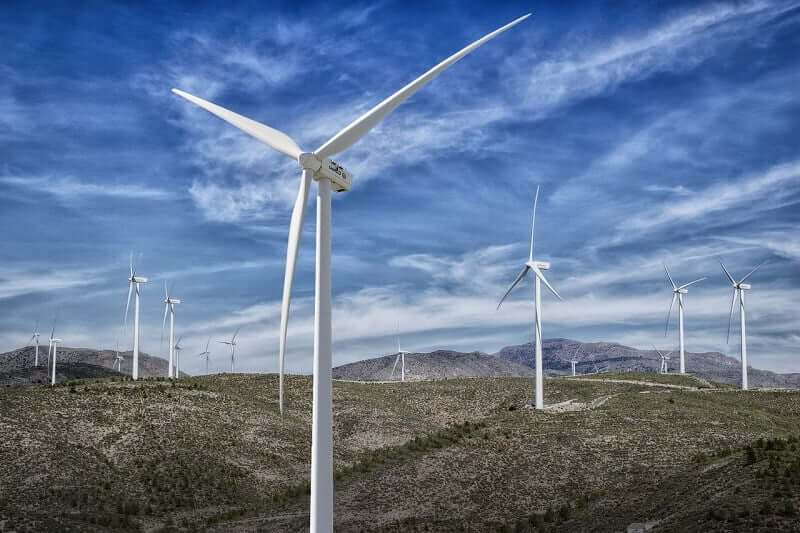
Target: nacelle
[(138, 279), (744, 286), (341, 179), (541, 265), (683, 291), (173, 301)]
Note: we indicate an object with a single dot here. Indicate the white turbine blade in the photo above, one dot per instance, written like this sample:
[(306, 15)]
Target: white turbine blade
[(533, 220), (519, 278), (674, 287), (751, 272), (273, 138), (730, 316), (352, 133), (691, 283), (544, 280), (128, 305), (163, 323), (292, 247), (727, 273), (207, 343), (233, 339), (130, 262), (396, 359), (669, 312)]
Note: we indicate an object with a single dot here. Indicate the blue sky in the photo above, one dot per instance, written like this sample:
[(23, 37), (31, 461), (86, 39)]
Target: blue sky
[(657, 131)]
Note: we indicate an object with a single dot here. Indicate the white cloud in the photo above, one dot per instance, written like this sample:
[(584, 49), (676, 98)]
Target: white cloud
[(69, 188)]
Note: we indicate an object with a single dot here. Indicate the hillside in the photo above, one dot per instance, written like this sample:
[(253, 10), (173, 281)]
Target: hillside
[(64, 372), (435, 365), (212, 453), (23, 359), (615, 357)]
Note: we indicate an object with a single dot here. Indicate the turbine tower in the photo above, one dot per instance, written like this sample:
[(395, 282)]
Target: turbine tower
[(232, 344), (134, 281), (664, 361), (677, 294), (35, 339), (169, 307), (738, 290), (536, 267), (318, 166), (206, 354)]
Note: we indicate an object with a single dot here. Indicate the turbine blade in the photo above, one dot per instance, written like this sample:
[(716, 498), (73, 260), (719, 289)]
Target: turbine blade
[(666, 327), (128, 305), (730, 316), (233, 339), (163, 323), (519, 278), (277, 140), (727, 273), (207, 343), (540, 275), (749, 273), (292, 247), (130, 260), (356, 130), (533, 221), (691, 283), (674, 287), (396, 359)]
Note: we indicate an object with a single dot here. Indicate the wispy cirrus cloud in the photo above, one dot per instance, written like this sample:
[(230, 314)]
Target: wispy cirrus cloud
[(68, 188)]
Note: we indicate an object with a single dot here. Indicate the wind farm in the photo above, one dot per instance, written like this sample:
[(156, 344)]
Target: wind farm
[(649, 158)]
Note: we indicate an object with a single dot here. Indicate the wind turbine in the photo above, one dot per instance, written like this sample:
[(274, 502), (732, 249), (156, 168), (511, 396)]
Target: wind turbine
[(401, 356), (317, 165), (169, 307), (118, 362), (134, 280), (664, 360), (35, 338), (206, 353), (232, 344), (738, 289), (178, 349), (574, 361), (677, 294), (54, 346), (536, 267)]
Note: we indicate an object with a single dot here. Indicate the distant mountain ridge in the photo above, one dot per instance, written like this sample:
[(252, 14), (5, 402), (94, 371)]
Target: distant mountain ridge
[(614, 357), (15, 364), (434, 365)]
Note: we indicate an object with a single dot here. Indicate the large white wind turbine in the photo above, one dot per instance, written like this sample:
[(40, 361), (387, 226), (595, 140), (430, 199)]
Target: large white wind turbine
[(536, 267), (35, 339), (318, 166), (738, 289), (232, 344), (206, 354), (169, 307), (677, 294), (134, 281)]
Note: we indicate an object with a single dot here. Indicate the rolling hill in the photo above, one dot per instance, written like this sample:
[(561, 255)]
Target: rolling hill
[(212, 453)]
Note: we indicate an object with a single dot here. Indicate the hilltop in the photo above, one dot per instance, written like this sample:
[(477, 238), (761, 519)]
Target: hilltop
[(212, 452), (440, 364)]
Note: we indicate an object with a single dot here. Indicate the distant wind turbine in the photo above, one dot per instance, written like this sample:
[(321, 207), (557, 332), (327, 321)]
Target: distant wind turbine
[(738, 289), (574, 361), (178, 349), (206, 353), (169, 307), (232, 344), (401, 356), (35, 338), (664, 361), (54, 346), (317, 165), (118, 362), (536, 267), (134, 281), (677, 294)]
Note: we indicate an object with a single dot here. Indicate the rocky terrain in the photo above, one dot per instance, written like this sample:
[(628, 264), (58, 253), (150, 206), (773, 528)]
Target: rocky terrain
[(64, 372), (212, 453), (17, 366), (440, 364)]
